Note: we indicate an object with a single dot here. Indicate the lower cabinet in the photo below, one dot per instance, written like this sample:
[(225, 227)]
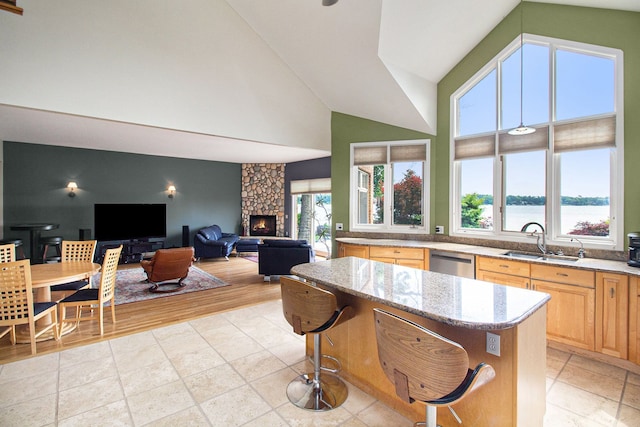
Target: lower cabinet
[(571, 310), (360, 251), (409, 257), (503, 272), (634, 319), (612, 311)]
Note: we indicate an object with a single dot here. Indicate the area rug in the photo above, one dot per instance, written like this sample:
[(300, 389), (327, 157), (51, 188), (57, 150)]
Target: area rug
[(131, 288)]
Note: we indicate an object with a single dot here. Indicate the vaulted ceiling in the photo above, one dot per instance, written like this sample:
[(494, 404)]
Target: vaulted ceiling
[(235, 80)]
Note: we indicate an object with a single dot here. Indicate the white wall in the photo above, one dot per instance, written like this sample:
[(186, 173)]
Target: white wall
[(187, 65)]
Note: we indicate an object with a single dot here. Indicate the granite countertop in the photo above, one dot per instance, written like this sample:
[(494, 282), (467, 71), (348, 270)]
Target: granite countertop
[(452, 300), (583, 263)]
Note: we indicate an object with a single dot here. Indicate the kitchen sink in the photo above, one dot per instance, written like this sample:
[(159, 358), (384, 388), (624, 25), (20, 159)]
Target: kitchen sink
[(524, 255), (550, 257)]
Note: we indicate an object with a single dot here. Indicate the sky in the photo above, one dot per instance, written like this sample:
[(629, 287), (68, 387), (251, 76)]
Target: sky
[(584, 87)]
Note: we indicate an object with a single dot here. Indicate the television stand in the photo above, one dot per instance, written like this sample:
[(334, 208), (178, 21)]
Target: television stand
[(132, 250)]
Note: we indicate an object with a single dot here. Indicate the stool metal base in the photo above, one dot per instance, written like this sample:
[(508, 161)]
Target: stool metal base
[(317, 395)]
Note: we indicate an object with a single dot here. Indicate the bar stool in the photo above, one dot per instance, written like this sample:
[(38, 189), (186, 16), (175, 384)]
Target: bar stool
[(18, 245), (425, 366), (311, 310), (47, 242)]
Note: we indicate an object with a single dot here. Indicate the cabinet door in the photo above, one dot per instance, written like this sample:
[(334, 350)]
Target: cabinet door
[(570, 313), (612, 312), (514, 268), (503, 279), (360, 251), (634, 320)]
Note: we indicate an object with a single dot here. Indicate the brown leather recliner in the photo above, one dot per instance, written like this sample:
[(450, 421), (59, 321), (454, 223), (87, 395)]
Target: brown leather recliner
[(166, 265)]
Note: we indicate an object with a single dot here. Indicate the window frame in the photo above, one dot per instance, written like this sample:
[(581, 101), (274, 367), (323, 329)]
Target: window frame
[(387, 226), (615, 240)]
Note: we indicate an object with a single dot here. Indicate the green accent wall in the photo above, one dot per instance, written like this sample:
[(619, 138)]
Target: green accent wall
[(346, 129), (604, 27)]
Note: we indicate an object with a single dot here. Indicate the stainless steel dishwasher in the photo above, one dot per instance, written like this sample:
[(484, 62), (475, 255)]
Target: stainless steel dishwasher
[(453, 263)]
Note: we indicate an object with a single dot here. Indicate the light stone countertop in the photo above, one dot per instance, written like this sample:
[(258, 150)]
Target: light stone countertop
[(451, 300), (584, 263)]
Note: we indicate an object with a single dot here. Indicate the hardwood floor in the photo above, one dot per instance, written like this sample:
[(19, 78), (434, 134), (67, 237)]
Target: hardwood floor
[(247, 288)]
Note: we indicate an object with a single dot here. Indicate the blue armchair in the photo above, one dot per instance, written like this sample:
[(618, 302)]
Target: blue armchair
[(276, 257), (211, 242)]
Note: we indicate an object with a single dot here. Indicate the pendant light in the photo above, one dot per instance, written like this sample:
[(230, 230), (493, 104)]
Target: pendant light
[(522, 129)]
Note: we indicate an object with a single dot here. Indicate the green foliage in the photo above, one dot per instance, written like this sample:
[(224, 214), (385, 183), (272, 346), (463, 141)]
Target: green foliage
[(513, 200), (471, 210), (407, 199), (586, 228)]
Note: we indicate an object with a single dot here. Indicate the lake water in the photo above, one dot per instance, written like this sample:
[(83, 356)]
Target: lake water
[(517, 216)]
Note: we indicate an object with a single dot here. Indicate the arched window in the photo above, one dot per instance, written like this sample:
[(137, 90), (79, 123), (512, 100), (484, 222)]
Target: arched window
[(568, 174)]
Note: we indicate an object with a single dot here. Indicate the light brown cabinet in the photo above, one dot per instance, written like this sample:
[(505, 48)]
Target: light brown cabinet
[(634, 319), (503, 272), (408, 257), (612, 311), (360, 251), (571, 310)]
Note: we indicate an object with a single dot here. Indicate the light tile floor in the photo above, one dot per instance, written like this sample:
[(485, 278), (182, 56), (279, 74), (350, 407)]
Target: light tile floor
[(231, 369)]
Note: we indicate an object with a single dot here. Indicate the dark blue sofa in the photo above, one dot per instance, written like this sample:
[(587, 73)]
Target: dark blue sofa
[(276, 257), (211, 242)]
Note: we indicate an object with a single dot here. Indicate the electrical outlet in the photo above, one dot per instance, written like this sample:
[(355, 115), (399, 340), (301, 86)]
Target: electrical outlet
[(439, 229), (339, 226), (493, 344)]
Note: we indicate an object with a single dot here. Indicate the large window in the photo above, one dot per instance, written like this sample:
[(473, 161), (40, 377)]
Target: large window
[(389, 182), (568, 174)]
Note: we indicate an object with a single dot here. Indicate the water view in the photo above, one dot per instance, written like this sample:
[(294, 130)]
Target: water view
[(517, 216)]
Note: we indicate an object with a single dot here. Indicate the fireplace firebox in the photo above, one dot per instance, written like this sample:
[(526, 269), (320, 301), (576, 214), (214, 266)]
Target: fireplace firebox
[(262, 225)]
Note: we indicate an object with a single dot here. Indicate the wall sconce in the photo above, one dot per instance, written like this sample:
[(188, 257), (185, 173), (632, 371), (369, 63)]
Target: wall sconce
[(172, 191), (72, 187)]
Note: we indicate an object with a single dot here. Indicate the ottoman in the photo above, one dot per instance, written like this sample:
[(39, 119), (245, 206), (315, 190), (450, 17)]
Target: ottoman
[(247, 245)]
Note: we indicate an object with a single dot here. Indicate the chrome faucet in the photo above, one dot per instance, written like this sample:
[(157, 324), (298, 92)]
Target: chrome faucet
[(542, 246), (581, 251)]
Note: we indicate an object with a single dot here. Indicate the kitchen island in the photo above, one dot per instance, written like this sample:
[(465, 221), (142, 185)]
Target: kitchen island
[(463, 310)]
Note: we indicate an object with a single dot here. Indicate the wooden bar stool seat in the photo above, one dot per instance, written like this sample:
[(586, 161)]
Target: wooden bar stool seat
[(311, 310), (425, 366)]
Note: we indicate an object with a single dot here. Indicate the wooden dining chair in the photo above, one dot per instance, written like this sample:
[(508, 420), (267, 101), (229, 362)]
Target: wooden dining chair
[(94, 299), (425, 366), (74, 251), (17, 306), (7, 252)]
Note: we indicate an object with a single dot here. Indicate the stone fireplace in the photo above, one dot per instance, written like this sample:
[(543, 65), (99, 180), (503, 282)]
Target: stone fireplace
[(263, 195)]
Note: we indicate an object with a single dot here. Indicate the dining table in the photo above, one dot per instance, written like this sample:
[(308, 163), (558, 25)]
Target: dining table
[(35, 230), (43, 276)]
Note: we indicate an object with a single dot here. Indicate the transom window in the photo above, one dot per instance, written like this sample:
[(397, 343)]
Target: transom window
[(389, 183), (567, 176)]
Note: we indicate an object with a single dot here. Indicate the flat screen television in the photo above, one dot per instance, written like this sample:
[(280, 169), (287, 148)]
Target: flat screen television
[(129, 221)]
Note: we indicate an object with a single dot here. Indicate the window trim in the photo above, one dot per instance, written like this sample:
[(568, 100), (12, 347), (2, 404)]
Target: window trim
[(616, 239), (388, 226)]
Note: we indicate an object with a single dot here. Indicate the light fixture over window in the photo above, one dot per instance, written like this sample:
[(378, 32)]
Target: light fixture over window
[(72, 187), (172, 191), (522, 129)]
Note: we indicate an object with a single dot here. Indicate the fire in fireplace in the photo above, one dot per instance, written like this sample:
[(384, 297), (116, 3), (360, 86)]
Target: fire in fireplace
[(262, 225)]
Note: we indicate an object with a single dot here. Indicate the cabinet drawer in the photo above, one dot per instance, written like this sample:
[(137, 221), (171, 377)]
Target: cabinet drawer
[(391, 252), (572, 276), (516, 268)]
